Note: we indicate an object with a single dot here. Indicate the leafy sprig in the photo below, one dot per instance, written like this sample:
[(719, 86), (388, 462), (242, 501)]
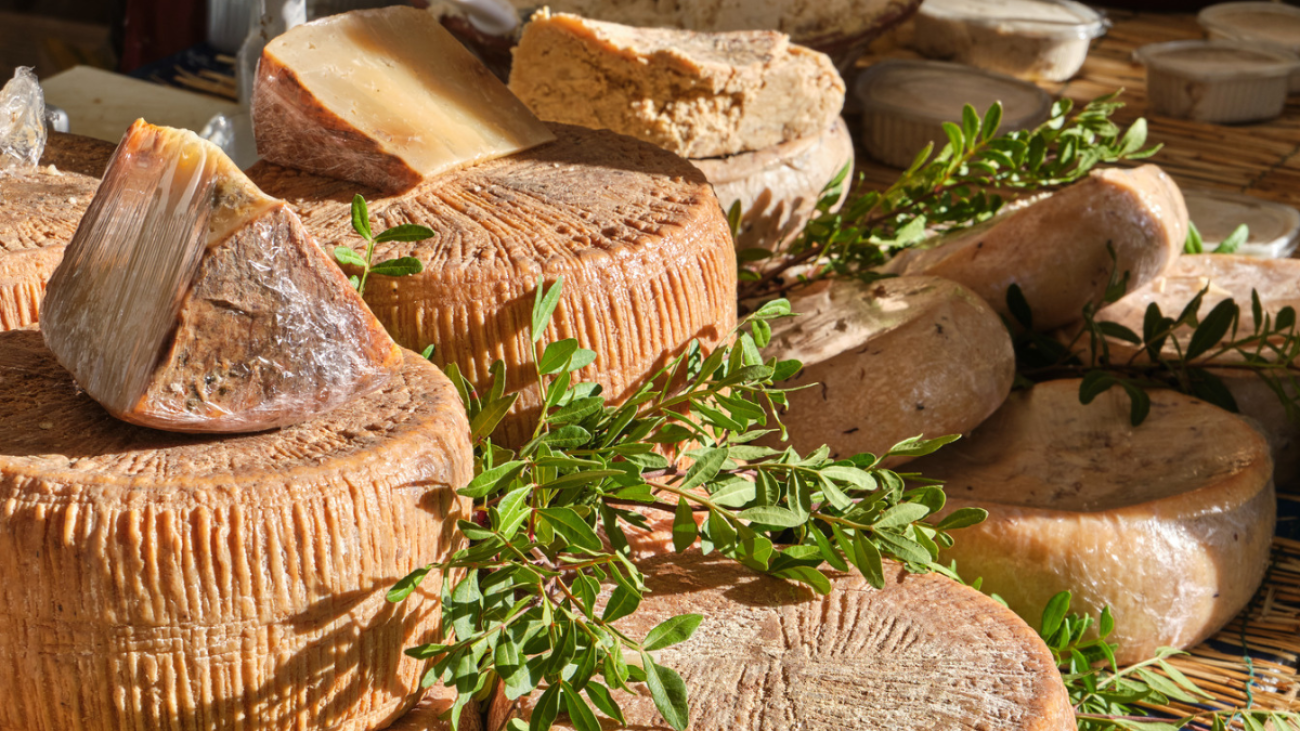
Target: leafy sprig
[(400, 267), (1195, 244)]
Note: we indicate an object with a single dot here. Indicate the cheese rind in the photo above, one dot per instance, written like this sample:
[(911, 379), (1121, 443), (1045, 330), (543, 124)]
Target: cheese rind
[(1168, 523), (191, 301), (1056, 248), (699, 95), (385, 98)]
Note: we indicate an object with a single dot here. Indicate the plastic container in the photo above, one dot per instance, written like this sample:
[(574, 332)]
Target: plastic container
[(905, 103), (1274, 227), (1258, 22), (1219, 81), (1036, 40)]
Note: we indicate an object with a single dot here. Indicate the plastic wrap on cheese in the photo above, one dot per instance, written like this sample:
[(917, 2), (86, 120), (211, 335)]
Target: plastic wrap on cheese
[(386, 98), (1168, 523), (1057, 250), (190, 301), (22, 122)]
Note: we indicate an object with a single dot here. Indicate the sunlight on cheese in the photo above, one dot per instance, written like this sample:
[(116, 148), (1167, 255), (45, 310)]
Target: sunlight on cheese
[(383, 97)]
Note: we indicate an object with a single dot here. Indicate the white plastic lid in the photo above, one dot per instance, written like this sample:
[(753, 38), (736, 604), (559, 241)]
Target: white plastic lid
[(936, 91), (1258, 21), (1049, 18), (1274, 227), (1218, 59)]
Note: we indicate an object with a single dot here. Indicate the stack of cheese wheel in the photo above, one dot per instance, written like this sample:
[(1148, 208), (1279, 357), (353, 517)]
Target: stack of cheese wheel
[(1169, 524), (160, 580), (634, 231), (1277, 281), (40, 211)]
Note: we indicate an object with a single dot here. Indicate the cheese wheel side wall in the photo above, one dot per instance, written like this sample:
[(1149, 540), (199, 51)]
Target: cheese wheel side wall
[(23, 276)]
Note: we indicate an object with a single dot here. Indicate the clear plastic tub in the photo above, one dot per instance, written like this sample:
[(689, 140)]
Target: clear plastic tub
[(1274, 227), (1217, 81), (1037, 40), (905, 103), (1259, 22)]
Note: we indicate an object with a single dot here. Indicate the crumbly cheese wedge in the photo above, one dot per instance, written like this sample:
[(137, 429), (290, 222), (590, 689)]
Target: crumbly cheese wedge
[(1227, 277), (636, 233), (189, 300), (1055, 249), (1169, 523), (924, 652), (386, 98), (892, 359), (778, 187), (39, 212), (156, 580), (696, 94)]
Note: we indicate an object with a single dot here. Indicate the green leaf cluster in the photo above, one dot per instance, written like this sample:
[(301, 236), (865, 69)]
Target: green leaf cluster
[(399, 267)]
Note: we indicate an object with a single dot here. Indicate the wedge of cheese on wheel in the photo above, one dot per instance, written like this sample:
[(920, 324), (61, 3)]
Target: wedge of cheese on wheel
[(1168, 523), (384, 97), (924, 652), (636, 233), (778, 187), (1056, 248), (39, 212), (696, 94), (162, 580), (189, 300), (889, 360)]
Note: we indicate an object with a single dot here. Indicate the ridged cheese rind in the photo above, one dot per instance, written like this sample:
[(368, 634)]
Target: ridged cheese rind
[(162, 580)]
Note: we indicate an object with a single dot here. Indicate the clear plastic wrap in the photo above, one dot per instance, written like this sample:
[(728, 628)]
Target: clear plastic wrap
[(191, 301), (22, 121), (1169, 523)]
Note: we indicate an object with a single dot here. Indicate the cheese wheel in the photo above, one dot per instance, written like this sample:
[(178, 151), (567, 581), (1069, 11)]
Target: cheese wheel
[(1228, 277), (1169, 523), (924, 652), (778, 187), (40, 212), (1055, 249), (160, 580), (892, 359), (644, 249)]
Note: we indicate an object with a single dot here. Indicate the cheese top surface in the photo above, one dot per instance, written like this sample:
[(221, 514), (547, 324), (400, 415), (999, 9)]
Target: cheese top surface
[(1278, 24), (736, 48), (924, 89)]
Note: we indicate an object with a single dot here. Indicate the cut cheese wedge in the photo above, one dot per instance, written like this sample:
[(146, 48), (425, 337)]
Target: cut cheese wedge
[(189, 300), (157, 580), (924, 652), (386, 98), (635, 231), (1056, 248), (39, 212), (1169, 523), (889, 360)]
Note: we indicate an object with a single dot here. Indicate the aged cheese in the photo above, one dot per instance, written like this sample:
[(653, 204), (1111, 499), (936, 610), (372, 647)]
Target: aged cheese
[(386, 98), (778, 187), (157, 580), (1227, 277), (696, 94), (39, 212), (1169, 523), (1055, 249), (892, 359), (923, 653), (644, 249), (189, 300)]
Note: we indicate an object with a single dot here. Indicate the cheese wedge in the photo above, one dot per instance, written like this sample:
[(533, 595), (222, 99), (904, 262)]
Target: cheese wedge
[(1055, 249), (925, 652), (1227, 277), (889, 360), (636, 233), (155, 580), (1169, 523), (189, 300), (386, 98)]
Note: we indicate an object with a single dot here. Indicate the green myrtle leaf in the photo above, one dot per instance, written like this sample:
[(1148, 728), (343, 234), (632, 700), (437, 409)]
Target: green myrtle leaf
[(963, 518), (579, 712), (772, 515), (1018, 306), (360, 217), (904, 548), (867, 558), (347, 257), (901, 515), (405, 232), (489, 481), (545, 710), (401, 267), (668, 692), (622, 601), (556, 356), (569, 524), (1212, 328), (601, 698), (1053, 614), (806, 575), (705, 468), (684, 528), (544, 304), (566, 437), (992, 120), (828, 552), (408, 584), (672, 631), (487, 419), (1239, 236)]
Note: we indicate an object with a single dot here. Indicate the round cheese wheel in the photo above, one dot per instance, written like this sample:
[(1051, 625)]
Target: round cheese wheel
[(636, 233), (40, 212), (161, 580), (892, 359), (924, 652), (1233, 277), (1168, 523), (778, 187)]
